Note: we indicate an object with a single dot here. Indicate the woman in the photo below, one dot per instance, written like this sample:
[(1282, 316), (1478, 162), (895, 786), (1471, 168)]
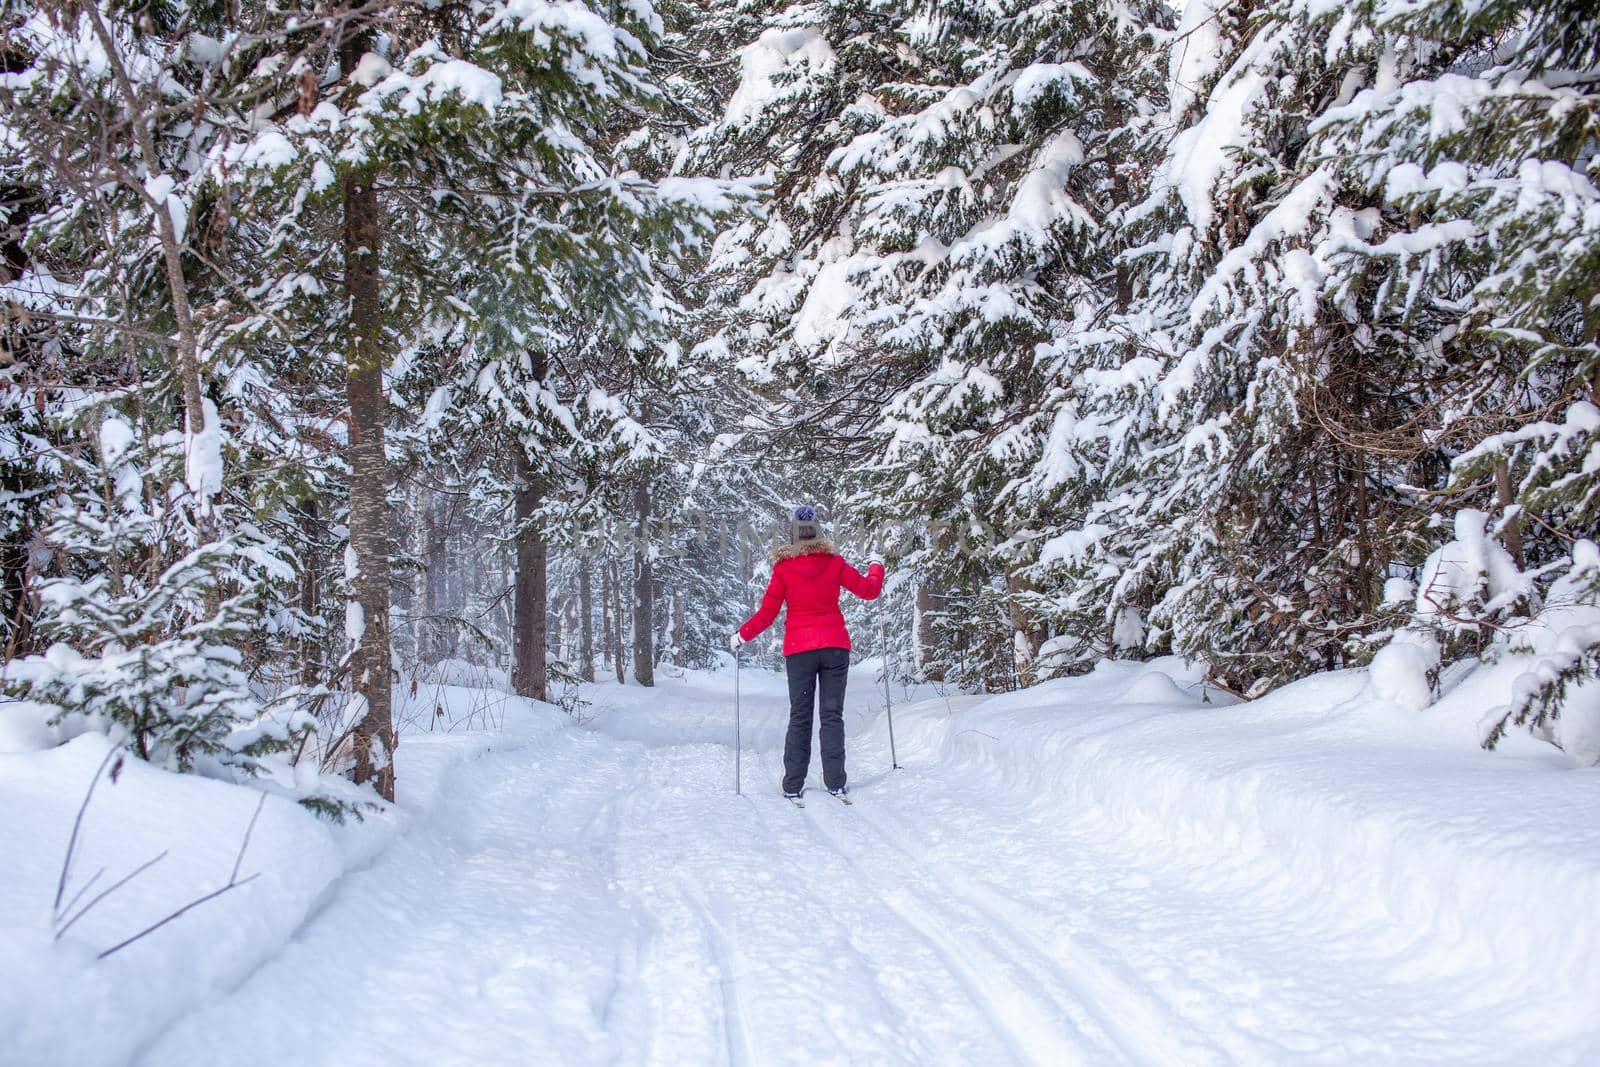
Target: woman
[(807, 575)]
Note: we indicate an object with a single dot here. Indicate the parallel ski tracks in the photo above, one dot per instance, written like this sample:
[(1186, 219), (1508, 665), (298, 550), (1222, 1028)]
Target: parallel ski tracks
[(735, 1040), (1023, 1023), (1048, 1010), (1135, 1021)]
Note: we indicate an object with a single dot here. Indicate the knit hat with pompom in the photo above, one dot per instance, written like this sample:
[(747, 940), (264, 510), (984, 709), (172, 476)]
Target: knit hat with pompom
[(803, 525)]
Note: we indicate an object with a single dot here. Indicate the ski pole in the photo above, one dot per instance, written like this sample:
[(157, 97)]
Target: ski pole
[(888, 704), (738, 725)]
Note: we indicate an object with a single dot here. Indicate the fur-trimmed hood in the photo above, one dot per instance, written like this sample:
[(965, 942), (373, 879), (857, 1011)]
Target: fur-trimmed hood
[(814, 546)]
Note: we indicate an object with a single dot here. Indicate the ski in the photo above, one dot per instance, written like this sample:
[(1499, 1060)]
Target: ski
[(794, 799), (844, 798)]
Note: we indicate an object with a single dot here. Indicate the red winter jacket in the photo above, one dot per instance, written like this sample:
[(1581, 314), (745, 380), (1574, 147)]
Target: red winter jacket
[(809, 582)]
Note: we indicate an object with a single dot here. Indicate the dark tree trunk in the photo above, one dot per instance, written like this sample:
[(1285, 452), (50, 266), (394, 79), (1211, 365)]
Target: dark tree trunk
[(1032, 640), (680, 651), (605, 611), (644, 599), (619, 645), (926, 636), (433, 584), (530, 672), (14, 601), (585, 622), (18, 203), (310, 592), (569, 627), (1504, 498), (373, 734)]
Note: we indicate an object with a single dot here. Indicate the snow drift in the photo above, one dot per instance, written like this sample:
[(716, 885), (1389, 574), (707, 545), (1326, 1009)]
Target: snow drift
[(1350, 804)]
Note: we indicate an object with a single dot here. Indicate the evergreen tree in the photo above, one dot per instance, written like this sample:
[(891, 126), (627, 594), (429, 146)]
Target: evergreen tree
[(162, 574), (944, 215), (150, 651), (1237, 493), (1486, 241), (452, 142)]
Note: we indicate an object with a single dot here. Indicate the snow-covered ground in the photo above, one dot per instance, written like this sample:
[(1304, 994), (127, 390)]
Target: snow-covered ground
[(1102, 870)]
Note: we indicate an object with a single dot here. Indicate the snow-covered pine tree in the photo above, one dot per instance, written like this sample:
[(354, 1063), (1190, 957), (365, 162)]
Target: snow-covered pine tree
[(1009, 187), (1484, 239), (720, 484), (1485, 173), (807, 83), (1344, 264), (942, 180), (127, 306), (1238, 436), (460, 149), (146, 649)]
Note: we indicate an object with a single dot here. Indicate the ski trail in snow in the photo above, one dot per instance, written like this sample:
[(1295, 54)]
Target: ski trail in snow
[(824, 911), (1029, 1029), (471, 940), (726, 958), (1131, 1018), (600, 896)]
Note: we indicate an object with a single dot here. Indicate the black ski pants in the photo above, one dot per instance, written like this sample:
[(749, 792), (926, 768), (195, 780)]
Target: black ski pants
[(825, 669)]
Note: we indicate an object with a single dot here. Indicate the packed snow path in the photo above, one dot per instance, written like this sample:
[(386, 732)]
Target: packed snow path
[(598, 895)]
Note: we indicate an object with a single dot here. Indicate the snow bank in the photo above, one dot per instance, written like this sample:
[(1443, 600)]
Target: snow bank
[(59, 1004), (1489, 860)]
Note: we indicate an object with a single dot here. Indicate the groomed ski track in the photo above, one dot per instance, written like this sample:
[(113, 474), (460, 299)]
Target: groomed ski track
[(598, 895)]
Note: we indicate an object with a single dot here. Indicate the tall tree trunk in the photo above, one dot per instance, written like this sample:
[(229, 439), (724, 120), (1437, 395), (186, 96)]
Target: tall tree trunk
[(530, 671), (1026, 639), (172, 262), (1504, 498), (644, 599), (585, 621), (1365, 563), (433, 584), (1364, 568), (605, 611), (926, 637), (310, 592), (680, 652), (619, 645), (373, 734), (405, 596), (453, 578)]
